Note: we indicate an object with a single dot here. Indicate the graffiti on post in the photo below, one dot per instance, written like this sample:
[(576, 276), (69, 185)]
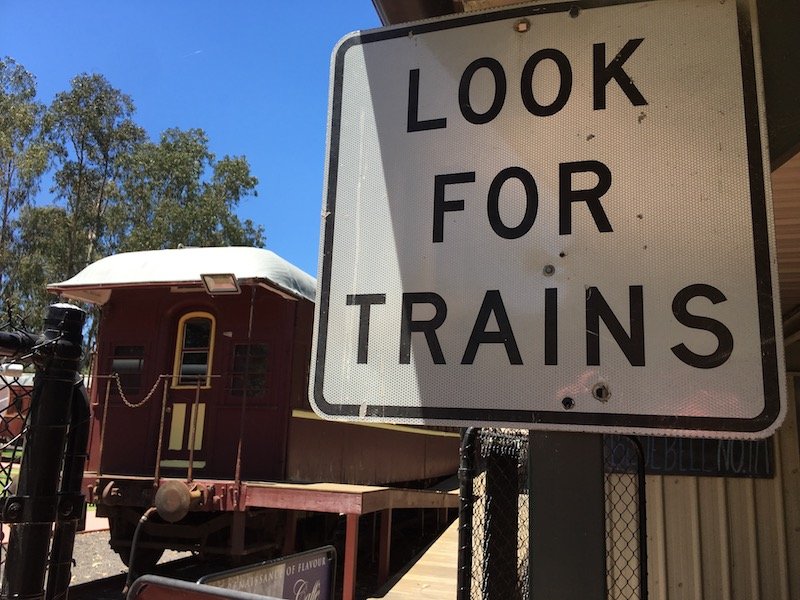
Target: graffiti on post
[(695, 456)]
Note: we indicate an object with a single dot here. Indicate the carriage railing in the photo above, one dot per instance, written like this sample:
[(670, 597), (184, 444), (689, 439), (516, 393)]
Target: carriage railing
[(114, 379), (113, 384)]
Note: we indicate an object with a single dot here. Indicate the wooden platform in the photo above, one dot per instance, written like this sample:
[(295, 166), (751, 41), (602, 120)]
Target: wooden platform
[(352, 501), (433, 576), (341, 497)]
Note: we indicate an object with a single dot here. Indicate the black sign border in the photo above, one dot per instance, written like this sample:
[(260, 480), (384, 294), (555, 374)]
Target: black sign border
[(541, 419)]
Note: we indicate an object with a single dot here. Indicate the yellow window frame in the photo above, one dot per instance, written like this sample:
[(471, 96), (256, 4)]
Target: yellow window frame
[(179, 341)]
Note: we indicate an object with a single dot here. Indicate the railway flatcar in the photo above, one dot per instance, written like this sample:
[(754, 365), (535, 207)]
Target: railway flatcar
[(199, 398)]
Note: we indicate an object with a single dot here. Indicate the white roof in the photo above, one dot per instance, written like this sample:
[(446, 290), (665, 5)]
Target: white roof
[(184, 266)]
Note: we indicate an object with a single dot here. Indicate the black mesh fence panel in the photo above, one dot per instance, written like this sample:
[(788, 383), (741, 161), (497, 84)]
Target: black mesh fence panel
[(16, 383), (495, 546), (626, 548), (500, 516)]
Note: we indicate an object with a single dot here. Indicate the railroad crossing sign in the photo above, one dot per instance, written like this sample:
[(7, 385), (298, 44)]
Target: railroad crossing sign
[(552, 218)]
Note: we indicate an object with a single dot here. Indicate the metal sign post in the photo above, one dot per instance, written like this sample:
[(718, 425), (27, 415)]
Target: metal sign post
[(573, 200), (567, 516)]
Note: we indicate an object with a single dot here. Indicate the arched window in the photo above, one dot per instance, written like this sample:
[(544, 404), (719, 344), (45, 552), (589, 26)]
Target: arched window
[(194, 350)]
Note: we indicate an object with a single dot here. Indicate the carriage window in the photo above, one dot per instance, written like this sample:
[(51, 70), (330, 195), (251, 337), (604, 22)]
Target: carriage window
[(128, 362), (249, 370), (194, 350)]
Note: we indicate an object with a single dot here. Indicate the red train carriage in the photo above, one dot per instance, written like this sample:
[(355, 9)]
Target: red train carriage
[(199, 407)]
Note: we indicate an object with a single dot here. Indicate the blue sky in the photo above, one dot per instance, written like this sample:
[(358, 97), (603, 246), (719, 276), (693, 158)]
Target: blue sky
[(252, 73)]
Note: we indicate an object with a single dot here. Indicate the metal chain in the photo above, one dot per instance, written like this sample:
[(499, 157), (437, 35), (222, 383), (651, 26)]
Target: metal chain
[(144, 400)]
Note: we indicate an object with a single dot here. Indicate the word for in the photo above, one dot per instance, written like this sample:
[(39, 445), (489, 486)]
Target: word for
[(566, 197)]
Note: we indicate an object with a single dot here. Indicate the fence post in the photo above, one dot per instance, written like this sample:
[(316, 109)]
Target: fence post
[(37, 504), (71, 502), (567, 557), (642, 494), (466, 474)]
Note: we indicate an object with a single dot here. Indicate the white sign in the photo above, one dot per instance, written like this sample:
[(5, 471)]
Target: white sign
[(551, 218)]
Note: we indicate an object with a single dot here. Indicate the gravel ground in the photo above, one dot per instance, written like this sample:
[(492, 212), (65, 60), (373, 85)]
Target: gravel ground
[(94, 558)]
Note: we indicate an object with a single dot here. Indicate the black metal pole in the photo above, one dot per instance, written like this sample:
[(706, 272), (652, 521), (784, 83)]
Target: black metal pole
[(567, 559), (641, 479), (14, 343), (71, 500), (33, 511), (466, 474)]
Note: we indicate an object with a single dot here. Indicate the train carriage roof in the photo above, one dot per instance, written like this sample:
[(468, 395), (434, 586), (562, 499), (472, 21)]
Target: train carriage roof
[(183, 267)]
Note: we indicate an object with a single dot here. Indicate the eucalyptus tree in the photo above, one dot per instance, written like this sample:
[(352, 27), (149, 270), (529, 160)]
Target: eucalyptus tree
[(112, 190), (40, 248), (91, 128), (23, 155), (178, 193)]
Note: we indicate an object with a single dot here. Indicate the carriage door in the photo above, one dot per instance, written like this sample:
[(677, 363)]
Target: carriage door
[(190, 389)]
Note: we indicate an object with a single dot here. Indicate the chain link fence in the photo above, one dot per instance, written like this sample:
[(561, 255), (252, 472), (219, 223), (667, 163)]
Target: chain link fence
[(16, 384), (494, 534), (626, 518)]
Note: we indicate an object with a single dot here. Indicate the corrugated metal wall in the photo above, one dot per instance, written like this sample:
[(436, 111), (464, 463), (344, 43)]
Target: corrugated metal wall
[(714, 538)]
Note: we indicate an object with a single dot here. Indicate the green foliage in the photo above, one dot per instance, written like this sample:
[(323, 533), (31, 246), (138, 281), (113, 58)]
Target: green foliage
[(40, 251), (91, 128), (23, 153), (172, 201), (113, 189)]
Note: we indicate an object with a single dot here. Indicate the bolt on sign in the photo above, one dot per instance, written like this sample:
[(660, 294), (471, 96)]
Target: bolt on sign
[(552, 217)]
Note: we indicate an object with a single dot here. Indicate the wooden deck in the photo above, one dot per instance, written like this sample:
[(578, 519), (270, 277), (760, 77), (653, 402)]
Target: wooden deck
[(342, 497), (353, 501), (433, 576)]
